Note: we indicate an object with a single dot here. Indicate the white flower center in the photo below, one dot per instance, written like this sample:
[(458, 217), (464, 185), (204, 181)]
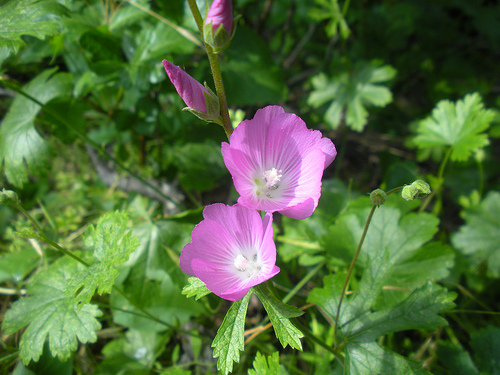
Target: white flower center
[(268, 183), (272, 177), (247, 267)]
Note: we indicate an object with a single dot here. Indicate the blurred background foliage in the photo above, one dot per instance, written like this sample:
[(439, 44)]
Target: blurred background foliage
[(368, 74)]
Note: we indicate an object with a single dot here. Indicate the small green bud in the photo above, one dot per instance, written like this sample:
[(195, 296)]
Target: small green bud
[(423, 188), (378, 197), (409, 193), (9, 197)]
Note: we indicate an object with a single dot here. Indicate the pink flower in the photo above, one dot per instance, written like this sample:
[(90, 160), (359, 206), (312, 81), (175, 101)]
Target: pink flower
[(220, 14), (277, 163), (232, 249), (199, 100)]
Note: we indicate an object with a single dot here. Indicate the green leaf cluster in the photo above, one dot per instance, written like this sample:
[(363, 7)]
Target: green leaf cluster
[(461, 126), (48, 312), (349, 92), (112, 244)]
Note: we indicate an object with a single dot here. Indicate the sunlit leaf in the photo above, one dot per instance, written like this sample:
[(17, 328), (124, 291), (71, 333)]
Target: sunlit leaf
[(112, 245), (196, 288), (261, 366), (28, 17), (279, 314), (479, 238), (461, 126), (351, 92), (50, 312), (229, 340)]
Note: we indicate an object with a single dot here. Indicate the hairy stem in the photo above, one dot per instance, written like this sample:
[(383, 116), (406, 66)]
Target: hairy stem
[(216, 73), (351, 268), (440, 177)]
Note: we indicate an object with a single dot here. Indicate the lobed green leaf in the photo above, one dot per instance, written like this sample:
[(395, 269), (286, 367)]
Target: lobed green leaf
[(49, 312), (279, 314)]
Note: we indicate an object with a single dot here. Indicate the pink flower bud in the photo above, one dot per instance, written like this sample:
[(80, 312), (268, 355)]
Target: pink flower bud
[(199, 100), (220, 13), (219, 24)]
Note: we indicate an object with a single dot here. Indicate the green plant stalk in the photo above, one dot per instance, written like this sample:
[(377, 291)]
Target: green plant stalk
[(315, 339), (86, 139), (440, 176), (216, 73), (302, 282), (351, 268)]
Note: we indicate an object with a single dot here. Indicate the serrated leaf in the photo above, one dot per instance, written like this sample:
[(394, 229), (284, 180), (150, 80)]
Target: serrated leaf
[(419, 311), (279, 314), (20, 142), (403, 236), (350, 93), (152, 276), (455, 359), (196, 289), (261, 366), (479, 238), (461, 126), (229, 340), (50, 312), (27, 17), (370, 358), (112, 245), (486, 343)]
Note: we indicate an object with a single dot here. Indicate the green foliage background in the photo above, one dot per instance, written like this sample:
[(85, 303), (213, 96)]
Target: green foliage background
[(104, 159)]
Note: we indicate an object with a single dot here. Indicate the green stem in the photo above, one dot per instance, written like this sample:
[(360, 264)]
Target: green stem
[(440, 177), (315, 339), (44, 238), (345, 7), (395, 190), (351, 268), (302, 282), (216, 73), (86, 139)]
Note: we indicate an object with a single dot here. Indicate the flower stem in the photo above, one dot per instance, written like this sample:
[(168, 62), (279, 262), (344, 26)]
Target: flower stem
[(439, 179), (351, 268), (216, 73)]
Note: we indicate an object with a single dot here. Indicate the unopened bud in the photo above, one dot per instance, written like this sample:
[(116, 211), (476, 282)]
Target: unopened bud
[(200, 100), (219, 24), (378, 197), (418, 189)]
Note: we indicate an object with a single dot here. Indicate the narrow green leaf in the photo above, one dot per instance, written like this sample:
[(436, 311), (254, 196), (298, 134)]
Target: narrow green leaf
[(196, 288), (261, 366), (230, 339), (279, 314), (461, 125), (49, 312), (112, 245)]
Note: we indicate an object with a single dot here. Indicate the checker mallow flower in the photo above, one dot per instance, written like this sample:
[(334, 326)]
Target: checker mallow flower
[(277, 163), (232, 249), (219, 22), (199, 99)]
